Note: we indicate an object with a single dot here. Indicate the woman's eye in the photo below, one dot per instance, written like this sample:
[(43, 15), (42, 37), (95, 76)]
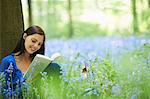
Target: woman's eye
[(39, 44), (33, 41)]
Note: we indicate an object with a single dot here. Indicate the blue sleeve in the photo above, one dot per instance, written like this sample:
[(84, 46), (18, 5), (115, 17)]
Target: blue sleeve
[(12, 76), (4, 65)]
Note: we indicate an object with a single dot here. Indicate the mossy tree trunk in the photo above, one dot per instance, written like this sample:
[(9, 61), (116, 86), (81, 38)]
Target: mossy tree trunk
[(11, 25), (0, 31)]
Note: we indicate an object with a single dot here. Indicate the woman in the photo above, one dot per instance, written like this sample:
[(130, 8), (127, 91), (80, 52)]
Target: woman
[(13, 66)]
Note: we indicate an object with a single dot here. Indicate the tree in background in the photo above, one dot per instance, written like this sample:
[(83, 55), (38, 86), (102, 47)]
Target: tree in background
[(143, 9), (30, 12), (149, 3), (70, 19), (135, 17), (11, 25)]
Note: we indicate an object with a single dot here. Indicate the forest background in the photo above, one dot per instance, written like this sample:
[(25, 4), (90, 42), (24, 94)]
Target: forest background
[(80, 18)]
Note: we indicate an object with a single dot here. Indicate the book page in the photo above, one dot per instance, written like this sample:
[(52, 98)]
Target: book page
[(39, 63)]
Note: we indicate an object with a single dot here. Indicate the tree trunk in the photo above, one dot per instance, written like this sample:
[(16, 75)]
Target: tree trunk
[(0, 31), (135, 19), (70, 19), (30, 12), (11, 25)]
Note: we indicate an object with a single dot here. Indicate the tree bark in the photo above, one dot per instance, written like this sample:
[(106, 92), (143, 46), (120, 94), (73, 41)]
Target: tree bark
[(0, 31), (11, 25)]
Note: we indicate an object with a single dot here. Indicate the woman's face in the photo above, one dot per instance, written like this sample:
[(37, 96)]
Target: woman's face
[(33, 42)]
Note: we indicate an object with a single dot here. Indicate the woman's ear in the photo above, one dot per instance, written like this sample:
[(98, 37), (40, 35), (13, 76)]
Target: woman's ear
[(24, 35)]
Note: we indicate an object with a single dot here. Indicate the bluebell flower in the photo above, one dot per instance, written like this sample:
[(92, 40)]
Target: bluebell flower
[(12, 86)]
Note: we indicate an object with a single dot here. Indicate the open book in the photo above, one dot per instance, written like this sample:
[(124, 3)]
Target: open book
[(39, 63)]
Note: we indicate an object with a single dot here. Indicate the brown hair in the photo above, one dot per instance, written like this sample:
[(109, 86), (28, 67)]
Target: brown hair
[(30, 31)]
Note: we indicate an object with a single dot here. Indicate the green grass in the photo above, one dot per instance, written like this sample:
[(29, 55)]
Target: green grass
[(125, 78)]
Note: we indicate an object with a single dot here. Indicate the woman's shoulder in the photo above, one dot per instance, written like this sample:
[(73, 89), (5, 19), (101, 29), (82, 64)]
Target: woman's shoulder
[(6, 61), (8, 58)]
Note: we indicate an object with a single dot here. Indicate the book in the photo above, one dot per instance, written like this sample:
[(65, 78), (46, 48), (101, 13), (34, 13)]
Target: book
[(39, 63)]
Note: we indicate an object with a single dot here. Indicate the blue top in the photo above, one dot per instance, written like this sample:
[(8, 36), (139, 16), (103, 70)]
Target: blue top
[(13, 77)]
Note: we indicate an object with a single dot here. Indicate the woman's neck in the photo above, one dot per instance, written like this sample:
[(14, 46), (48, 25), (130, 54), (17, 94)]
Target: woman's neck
[(23, 61), (23, 56), (26, 56)]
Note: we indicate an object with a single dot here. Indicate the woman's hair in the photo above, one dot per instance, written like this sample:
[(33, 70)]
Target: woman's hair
[(29, 31)]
